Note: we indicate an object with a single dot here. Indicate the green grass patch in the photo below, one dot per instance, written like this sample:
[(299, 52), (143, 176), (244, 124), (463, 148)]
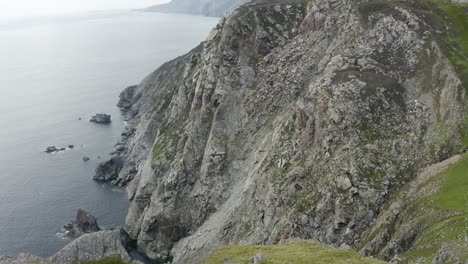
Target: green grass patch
[(297, 252), (444, 214), (157, 151), (454, 192)]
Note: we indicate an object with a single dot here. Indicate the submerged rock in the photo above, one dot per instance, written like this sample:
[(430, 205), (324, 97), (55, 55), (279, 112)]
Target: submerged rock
[(86, 159), (101, 119)]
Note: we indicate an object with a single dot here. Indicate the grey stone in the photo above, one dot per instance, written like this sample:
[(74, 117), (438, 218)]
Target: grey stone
[(92, 246), (51, 149), (84, 223), (259, 258), (101, 119)]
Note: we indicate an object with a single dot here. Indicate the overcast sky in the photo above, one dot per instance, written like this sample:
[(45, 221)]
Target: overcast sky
[(44, 7)]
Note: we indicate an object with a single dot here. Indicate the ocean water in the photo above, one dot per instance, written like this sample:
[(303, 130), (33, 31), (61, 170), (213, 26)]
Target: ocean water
[(54, 71)]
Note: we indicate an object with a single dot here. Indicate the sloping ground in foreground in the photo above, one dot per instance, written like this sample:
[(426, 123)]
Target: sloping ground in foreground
[(295, 252)]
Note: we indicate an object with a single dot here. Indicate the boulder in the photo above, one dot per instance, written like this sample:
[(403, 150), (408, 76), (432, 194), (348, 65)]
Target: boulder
[(84, 223), (109, 170), (101, 119), (51, 149), (258, 259)]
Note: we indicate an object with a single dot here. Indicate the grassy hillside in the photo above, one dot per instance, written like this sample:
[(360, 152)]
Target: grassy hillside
[(296, 252), (445, 216), (426, 219)]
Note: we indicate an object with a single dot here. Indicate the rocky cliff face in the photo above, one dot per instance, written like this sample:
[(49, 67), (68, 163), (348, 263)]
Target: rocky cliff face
[(294, 119), (216, 8)]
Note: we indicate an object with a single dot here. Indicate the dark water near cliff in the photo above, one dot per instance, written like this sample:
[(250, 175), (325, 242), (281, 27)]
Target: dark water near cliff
[(52, 72)]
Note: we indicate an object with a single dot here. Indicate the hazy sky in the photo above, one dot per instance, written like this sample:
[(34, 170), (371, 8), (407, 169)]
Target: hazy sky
[(41, 7)]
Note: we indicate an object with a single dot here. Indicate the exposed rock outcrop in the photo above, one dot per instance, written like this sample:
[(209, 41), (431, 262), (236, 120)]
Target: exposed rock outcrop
[(84, 223), (51, 149), (126, 97), (92, 246), (22, 259), (101, 119), (109, 170)]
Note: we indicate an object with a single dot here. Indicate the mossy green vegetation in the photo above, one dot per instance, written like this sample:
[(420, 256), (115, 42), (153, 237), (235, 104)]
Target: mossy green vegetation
[(455, 43), (454, 192), (444, 215), (456, 20), (306, 252), (109, 260), (157, 151), (435, 208)]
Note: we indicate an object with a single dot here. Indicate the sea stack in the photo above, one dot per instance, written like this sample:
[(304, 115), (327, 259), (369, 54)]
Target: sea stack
[(101, 119)]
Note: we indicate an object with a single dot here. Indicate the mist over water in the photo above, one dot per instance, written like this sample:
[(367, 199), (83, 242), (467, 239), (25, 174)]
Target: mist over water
[(53, 72)]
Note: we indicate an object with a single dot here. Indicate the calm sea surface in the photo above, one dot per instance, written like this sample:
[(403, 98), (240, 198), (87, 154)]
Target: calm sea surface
[(53, 72)]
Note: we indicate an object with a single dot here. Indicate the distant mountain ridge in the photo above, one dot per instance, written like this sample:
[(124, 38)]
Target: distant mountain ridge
[(215, 8)]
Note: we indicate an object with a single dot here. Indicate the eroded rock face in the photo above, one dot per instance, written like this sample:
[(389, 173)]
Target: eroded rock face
[(22, 259), (293, 120), (84, 223), (109, 170), (92, 246), (126, 97)]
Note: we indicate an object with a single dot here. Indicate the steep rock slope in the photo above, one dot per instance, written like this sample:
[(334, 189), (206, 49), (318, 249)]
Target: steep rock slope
[(217, 8), (295, 119)]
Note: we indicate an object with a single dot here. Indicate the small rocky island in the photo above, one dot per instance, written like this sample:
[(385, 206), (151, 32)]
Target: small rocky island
[(101, 119), (84, 223), (52, 149)]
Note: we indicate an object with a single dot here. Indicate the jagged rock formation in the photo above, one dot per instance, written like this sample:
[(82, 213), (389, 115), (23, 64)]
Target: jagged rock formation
[(92, 246), (84, 223), (101, 119), (109, 170), (126, 97), (295, 119), (216, 8)]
